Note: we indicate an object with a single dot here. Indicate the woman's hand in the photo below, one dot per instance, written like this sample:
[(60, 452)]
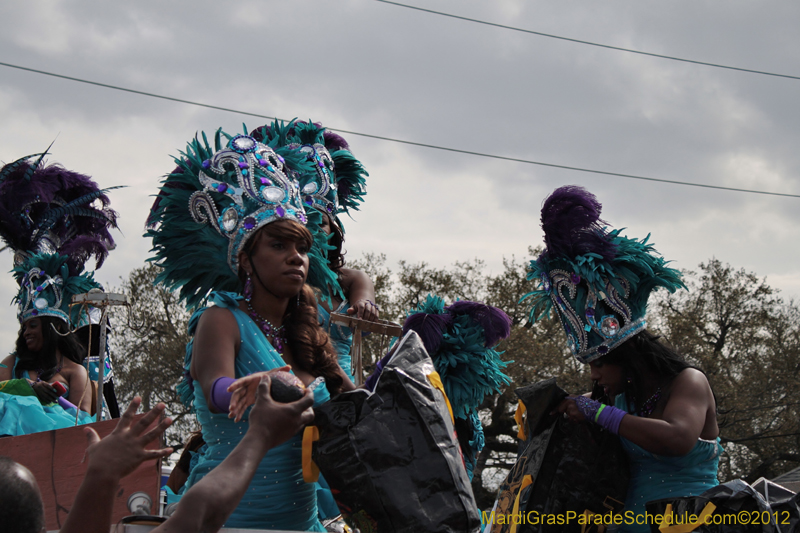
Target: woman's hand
[(245, 391), (44, 391), (366, 309), (569, 410)]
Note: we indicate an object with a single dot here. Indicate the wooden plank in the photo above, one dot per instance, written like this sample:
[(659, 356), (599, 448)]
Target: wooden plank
[(56, 460)]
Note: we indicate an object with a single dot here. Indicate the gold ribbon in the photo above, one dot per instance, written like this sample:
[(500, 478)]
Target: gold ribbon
[(526, 480), (310, 468), (521, 417), (684, 528), (436, 381)]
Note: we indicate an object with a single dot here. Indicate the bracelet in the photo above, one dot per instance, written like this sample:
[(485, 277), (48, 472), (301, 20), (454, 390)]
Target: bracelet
[(605, 416)]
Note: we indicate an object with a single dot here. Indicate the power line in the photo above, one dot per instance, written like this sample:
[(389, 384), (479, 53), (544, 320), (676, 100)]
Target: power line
[(401, 141), (599, 45)]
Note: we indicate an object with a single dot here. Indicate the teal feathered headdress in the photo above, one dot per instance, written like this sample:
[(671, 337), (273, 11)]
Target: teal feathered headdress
[(597, 280), (333, 183), (461, 340), (47, 288), (213, 202)]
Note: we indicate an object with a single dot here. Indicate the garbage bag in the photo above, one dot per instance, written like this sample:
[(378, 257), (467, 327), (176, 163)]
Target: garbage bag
[(391, 456), (567, 476), (733, 507), (785, 504)]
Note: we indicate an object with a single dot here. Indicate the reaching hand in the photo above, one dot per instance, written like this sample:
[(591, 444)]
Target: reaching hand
[(278, 422), (366, 309), (44, 391), (244, 392), (123, 450)]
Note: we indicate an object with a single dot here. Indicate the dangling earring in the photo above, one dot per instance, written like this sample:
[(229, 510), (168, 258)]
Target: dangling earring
[(248, 289), (298, 299)]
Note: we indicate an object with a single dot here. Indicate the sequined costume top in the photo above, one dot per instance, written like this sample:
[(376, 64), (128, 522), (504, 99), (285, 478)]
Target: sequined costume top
[(341, 337), (654, 477), (277, 497)]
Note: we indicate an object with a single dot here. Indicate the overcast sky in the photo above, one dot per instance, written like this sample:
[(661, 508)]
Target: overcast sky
[(375, 68)]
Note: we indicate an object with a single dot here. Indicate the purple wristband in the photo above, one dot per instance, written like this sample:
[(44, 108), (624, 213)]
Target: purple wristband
[(609, 417), (606, 416), (220, 397)]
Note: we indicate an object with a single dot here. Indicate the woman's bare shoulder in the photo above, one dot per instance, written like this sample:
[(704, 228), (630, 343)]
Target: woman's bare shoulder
[(691, 382)]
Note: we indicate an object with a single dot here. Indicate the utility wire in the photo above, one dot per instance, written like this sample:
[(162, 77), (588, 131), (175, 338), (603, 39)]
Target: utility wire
[(522, 30), (401, 141)]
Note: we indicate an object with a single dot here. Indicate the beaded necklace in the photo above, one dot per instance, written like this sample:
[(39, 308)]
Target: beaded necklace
[(276, 335), (650, 404)]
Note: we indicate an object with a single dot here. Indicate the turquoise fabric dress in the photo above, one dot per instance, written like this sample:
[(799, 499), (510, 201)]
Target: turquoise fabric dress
[(654, 477), (277, 497), (21, 412), (341, 337)]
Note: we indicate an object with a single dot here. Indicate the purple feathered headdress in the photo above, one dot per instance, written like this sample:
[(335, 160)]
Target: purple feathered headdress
[(47, 208), (572, 224)]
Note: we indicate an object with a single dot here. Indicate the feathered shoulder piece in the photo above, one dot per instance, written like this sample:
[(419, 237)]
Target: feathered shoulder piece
[(461, 339), (49, 209), (598, 280), (210, 205)]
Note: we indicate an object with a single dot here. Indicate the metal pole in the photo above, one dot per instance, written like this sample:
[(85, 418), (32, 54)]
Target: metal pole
[(101, 364), (102, 300)]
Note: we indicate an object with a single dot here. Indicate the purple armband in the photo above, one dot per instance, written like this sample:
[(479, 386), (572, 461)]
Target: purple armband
[(66, 404), (606, 416), (220, 397)]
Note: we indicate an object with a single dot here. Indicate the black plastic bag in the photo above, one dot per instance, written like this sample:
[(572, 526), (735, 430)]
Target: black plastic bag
[(391, 457), (733, 507), (567, 476)]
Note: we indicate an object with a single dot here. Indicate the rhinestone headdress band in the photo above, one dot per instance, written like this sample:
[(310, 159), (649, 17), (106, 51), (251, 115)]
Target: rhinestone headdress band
[(262, 193)]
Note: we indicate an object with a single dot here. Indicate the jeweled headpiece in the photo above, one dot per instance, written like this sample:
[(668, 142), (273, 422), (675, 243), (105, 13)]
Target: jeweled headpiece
[(47, 287), (336, 180), (333, 182), (210, 205), (49, 209), (461, 339), (597, 280)]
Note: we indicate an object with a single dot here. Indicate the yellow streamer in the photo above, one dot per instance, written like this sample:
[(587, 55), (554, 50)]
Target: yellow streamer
[(685, 528), (436, 381), (526, 480), (521, 417), (310, 468)]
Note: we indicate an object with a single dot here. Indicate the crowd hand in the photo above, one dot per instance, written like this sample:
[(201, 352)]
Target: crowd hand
[(44, 391), (278, 422), (244, 392), (569, 410), (365, 309), (123, 450)]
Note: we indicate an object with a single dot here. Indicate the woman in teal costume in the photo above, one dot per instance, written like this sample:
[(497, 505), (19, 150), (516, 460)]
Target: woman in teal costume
[(599, 282), (334, 183), (671, 436), (230, 219)]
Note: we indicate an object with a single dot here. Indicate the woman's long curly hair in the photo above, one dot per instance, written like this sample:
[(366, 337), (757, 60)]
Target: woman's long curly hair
[(311, 348), (56, 338)]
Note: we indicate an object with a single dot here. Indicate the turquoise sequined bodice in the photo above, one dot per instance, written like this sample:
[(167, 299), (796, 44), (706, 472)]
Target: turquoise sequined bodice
[(654, 477), (341, 337), (277, 498)]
